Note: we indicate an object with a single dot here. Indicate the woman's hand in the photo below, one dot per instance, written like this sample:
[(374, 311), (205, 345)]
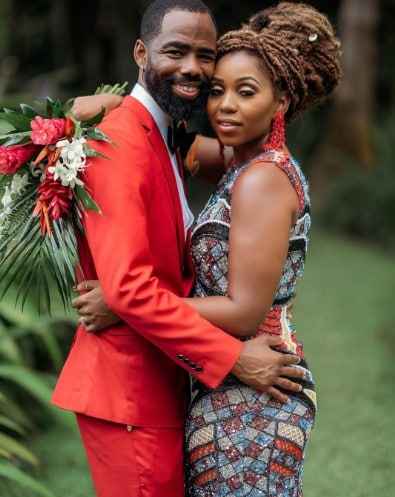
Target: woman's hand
[(93, 311), (85, 108)]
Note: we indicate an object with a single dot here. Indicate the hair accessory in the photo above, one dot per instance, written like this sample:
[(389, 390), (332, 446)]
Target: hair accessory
[(313, 37), (259, 22)]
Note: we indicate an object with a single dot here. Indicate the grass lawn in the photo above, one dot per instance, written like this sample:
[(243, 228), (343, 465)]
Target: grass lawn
[(345, 314)]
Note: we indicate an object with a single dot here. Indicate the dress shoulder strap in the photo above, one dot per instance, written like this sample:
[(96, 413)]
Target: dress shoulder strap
[(284, 162)]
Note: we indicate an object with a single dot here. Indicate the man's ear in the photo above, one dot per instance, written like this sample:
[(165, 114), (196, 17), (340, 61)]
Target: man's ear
[(140, 54)]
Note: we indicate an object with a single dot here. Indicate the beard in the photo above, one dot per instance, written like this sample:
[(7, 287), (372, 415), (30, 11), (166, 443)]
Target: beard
[(176, 107)]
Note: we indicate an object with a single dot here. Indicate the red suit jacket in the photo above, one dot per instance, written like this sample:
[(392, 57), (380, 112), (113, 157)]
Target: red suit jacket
[(134, 373)]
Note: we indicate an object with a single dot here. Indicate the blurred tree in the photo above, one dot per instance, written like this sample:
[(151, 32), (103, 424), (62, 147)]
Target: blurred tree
[(72, 46), (8, 65), (351, 121)]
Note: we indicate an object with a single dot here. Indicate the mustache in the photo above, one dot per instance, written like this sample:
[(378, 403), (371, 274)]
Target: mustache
[(204, 82)]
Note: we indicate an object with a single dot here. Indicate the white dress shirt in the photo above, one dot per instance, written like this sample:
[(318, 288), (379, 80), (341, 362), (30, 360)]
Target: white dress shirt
[(163, 121)]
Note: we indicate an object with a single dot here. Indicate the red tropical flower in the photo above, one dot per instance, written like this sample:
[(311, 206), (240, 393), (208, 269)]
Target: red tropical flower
[(55, 197), (47, 131), (13, 158)]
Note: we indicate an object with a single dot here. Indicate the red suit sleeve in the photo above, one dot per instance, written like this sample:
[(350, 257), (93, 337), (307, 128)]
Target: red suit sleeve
[(121, 253)]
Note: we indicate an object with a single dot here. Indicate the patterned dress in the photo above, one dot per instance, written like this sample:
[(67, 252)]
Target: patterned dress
[(240, 442)]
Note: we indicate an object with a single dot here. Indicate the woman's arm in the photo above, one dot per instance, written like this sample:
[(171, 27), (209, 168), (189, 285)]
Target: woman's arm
[(264, 207), (85, 108), (206, 160)]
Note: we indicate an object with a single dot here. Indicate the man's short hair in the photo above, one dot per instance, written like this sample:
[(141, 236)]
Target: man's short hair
[(151, 23)]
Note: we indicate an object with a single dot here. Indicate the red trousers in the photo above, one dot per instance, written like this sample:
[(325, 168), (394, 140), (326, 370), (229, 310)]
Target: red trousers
[(129, 461)]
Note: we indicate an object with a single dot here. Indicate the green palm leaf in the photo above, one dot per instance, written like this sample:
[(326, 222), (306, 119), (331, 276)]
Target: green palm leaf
[(11, 409), (17, 476), (11, 425), (16, 449), (34, 384), (42, 329), (34, 263), (29, 380), (8, 348)]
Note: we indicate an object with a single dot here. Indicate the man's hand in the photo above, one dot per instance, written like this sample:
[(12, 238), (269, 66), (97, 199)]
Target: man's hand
[(93, 311), (262, 368)]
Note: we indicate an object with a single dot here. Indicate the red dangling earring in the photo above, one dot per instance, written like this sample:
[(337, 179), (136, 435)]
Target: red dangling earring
[(276, 139)]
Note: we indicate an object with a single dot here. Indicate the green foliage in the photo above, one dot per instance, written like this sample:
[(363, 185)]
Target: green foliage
[(346, 318), (117, 89), (14, 475), (19, 121), (29, 352), (5, 127), (362, 203), (38, 251), (30, 260)]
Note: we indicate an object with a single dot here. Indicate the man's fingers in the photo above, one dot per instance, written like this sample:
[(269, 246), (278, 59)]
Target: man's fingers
[(86, 286), (77, 303), (271, 341), (86, 319), (292, 372), (277, 395), (289, 359), (85, 313), (91, 328), (288, 385)]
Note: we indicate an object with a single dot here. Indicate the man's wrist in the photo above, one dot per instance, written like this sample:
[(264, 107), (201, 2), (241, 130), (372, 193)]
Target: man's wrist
[(237, 367)]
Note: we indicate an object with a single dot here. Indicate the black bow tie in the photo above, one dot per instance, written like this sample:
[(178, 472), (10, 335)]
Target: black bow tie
[(178, 138)]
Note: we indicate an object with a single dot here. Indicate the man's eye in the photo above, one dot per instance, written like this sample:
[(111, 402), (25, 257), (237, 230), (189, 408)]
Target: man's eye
[(175, 53), (207, 58)]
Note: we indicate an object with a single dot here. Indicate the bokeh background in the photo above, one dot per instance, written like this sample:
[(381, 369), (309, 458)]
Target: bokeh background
[(345, 309)]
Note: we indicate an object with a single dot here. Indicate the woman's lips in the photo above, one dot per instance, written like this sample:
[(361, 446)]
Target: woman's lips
[(226, 126), (187, 92)]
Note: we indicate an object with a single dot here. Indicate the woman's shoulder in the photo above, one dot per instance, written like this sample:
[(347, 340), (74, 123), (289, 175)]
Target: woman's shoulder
[(262, 183), (283, 169)]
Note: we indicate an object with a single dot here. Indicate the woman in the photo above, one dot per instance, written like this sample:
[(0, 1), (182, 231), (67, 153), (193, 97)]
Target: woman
[(249, 245)]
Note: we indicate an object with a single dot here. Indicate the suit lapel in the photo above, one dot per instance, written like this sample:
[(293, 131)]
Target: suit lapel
[(164, 163)]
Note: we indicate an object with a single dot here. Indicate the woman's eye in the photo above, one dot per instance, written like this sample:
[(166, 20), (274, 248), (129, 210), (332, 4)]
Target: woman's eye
[(215, 92), (247, 93)]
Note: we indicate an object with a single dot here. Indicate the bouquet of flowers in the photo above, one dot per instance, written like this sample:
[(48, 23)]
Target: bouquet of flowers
[(43, 152)]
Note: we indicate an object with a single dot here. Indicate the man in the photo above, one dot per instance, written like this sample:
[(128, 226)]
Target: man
[(127, 384)]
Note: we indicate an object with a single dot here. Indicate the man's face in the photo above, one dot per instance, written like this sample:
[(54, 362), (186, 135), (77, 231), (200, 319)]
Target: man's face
[(181, 62)]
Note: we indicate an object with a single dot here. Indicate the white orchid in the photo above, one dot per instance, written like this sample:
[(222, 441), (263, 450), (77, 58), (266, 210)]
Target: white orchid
[(71, 162)]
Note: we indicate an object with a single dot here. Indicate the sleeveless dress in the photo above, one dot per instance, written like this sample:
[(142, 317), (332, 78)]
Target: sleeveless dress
[(240, 442)]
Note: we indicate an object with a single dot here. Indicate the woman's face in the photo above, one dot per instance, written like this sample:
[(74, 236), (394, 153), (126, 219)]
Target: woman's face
[(242, 101)]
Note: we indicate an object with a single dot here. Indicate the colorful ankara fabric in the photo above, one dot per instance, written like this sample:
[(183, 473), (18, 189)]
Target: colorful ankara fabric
[(240, 442)]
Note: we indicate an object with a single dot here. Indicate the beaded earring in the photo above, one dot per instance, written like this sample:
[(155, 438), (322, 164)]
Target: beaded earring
[(276, 139)]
